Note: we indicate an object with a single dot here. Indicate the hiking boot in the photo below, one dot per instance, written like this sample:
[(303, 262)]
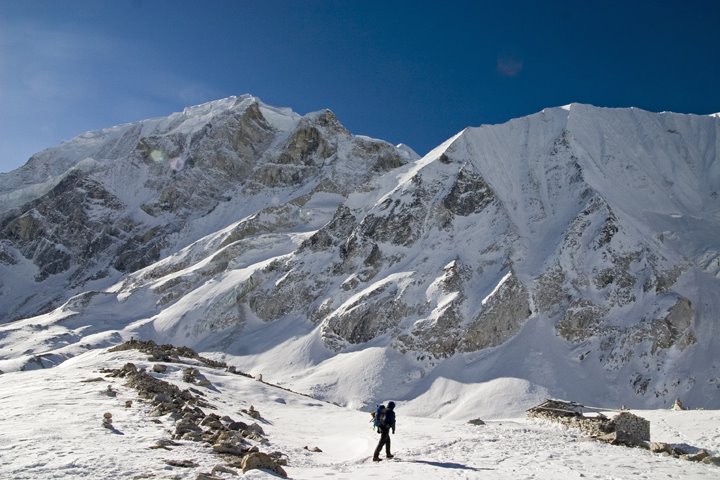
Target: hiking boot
[(377, 459), (390, 455)]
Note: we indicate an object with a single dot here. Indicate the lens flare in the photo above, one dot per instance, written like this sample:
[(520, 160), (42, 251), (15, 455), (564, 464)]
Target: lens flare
[(177, 163), (157, 156)]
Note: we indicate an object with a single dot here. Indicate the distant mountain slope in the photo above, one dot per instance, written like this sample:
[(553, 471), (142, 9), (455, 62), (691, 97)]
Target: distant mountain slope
[(575, 250)]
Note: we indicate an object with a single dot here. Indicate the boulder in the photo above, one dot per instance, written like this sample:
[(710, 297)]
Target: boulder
[(237, 426), (159, 368), (262, 461), (255, 428)]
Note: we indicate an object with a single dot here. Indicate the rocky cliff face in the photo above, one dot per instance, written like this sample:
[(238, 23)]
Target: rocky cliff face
[(135, 193), (576, 248)]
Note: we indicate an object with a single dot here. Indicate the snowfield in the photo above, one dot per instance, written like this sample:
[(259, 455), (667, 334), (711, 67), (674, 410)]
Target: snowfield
[(50, 428)]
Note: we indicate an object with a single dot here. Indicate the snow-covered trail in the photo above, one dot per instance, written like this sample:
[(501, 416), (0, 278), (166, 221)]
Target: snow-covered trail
[(509, 449), (50, 427)]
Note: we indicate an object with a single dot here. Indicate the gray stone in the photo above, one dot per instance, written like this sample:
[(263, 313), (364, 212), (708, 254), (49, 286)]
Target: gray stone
[(223, 469), (699, 456), (181, 463), (237, 426), (207, 476), (159, 368), (262, 461)]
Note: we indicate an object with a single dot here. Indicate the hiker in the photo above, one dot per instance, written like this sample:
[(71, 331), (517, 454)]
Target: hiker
[(386, 423)]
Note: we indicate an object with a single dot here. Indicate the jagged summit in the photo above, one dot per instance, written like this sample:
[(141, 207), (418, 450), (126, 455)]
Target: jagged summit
[(574, 250)]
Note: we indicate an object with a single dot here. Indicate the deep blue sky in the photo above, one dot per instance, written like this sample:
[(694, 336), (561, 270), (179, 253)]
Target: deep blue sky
[(404, 71)]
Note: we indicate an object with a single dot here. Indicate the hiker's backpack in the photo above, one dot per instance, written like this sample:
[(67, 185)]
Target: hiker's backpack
[(378, 416)]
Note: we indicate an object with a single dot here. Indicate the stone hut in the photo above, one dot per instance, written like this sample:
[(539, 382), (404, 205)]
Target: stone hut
[(624, 428)]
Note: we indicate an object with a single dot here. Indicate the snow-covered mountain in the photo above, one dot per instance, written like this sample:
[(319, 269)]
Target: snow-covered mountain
[(108, 203), (571, 253)]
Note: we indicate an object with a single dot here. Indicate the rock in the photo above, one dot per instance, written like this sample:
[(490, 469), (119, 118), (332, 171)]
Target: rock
[(610, 438), (167, 442), (237, 426), (229, 449), (164, 444), (161, 398), (223, 469), (128, 403), (192, 436), (196, 391), (699, 456), (254, 436), (215, 425), (90, 380), (129, 368), (190, 374), (107, 420), (210, 418), (207, 476), (252, 412), (712, 461), (181, 463), (159, 368), (476, 421), (262, 461), (255, 428), (185, 426), (659, 447)]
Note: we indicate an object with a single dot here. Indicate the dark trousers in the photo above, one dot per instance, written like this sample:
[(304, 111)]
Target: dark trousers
[(384, 440)]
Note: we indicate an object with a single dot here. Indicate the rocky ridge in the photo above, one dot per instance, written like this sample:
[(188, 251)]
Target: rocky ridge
[(235, 442)]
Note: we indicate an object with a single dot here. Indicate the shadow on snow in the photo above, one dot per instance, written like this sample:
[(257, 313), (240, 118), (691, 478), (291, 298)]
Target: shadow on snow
[(458, 466)]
